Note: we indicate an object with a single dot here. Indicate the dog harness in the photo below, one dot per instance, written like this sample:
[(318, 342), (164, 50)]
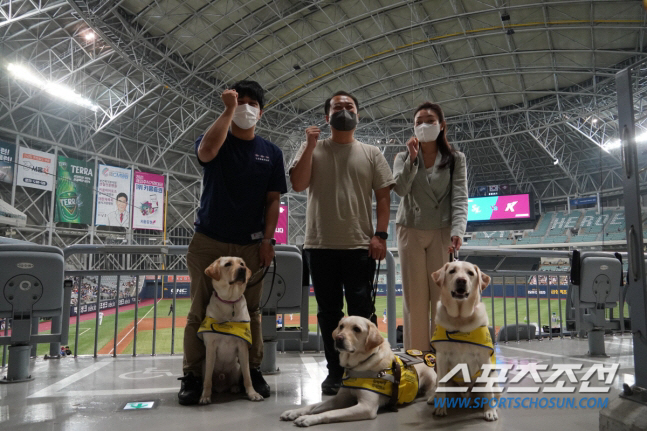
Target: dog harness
[(236, 329), (478, 337), (400, 382)]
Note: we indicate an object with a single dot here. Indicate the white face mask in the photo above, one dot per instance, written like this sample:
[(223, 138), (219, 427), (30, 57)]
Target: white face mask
[(427, 132), (245, 116)]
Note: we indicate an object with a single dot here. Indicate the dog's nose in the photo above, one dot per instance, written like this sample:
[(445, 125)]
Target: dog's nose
[(461, 285), (241, 274), (339, 341)]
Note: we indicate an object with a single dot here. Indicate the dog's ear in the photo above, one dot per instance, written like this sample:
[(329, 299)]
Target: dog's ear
[(439, 275), (213, 270), (484, 279), (373, 339)]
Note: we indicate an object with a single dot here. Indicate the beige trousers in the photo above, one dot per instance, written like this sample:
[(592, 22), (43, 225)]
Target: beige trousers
[(202, 252), (421, 253)]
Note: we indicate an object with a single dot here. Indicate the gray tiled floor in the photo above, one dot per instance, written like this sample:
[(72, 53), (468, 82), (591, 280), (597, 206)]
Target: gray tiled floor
[(89, 394)]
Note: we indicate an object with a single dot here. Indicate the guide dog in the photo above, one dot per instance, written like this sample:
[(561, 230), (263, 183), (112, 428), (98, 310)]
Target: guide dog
[(226, 332), (462, 335), (363, 351)]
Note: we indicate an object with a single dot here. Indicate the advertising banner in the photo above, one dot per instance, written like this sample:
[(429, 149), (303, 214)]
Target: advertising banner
[(91, 307), (74, 183), (7, 160), (281, 233), (35, 169), (148, 201), (114, 187), (584, 201)]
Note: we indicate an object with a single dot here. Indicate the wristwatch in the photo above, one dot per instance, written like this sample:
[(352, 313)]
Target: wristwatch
[(270, 240), (382, 235)]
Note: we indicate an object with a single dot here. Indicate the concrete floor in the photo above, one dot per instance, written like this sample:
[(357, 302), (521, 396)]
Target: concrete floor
[(90, 394)]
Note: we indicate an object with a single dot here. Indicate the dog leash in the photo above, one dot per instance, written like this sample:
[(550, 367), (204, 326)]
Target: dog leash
[(255, 274), (373, 317), (453, 256)]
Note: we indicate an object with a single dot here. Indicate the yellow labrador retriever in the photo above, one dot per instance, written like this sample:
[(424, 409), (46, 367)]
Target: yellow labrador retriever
[(363, 351), (226, 332), (462, 335)]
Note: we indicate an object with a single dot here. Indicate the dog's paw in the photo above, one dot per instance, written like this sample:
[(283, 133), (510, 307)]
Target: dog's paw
[(290, 415), (440, 411), (306, 421), (205, 399), (255, 396), (490, 415)]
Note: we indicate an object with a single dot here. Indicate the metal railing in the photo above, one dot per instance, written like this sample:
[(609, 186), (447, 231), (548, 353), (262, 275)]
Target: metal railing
[(507, 312), (564, 312), (138, 273)]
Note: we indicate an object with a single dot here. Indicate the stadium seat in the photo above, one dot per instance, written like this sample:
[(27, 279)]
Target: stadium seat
[(32, 284), (595, 289), (283, 293)]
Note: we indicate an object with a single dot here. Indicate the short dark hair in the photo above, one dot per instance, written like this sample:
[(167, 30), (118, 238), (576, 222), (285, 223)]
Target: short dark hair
[(340, 93), (122, 194), (251, 89), (445, 148)]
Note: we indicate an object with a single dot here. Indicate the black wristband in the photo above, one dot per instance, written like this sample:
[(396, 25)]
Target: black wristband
[(382, 235)]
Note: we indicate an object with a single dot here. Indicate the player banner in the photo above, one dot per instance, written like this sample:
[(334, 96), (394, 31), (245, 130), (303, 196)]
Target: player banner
[(35, 169), (114, 187), (7, 160), (281, 232), (74, 183), (148, 201)]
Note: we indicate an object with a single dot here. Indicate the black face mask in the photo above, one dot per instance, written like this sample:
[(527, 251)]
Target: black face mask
[(343, 120)]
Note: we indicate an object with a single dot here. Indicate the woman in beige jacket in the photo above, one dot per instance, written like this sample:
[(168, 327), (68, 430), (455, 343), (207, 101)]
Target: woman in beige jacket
[(431, 179)]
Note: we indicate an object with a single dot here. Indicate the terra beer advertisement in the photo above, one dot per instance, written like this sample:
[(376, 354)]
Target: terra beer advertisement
[(74, 182)]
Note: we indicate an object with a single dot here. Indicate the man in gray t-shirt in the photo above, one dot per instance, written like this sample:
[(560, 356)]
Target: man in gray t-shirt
[(341, 246)]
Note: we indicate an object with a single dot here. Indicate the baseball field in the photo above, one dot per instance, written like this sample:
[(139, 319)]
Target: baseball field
[(155, 328)]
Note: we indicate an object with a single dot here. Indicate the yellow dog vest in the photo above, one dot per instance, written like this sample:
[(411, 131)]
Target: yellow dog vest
[(407, 390), (237, 329), (479, 337)]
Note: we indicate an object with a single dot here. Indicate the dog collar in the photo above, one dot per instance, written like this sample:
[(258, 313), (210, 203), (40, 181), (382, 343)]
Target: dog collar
[(226, 301)]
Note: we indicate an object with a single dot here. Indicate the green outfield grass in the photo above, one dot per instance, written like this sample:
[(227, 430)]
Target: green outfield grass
[(163, 337), (107, 328), (162, 342)]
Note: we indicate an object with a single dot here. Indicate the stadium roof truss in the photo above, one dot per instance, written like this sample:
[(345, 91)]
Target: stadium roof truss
[(528, 87)]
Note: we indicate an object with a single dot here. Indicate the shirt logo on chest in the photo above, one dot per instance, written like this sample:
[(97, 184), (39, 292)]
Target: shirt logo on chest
[(262, 158)]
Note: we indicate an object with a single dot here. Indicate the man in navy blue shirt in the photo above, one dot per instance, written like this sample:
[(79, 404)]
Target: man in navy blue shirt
[(243, 180)]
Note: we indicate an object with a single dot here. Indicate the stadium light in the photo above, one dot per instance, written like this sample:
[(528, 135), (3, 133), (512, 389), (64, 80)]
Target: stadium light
[(57, 90), (556, 162), (615, 144), (89, 36)]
